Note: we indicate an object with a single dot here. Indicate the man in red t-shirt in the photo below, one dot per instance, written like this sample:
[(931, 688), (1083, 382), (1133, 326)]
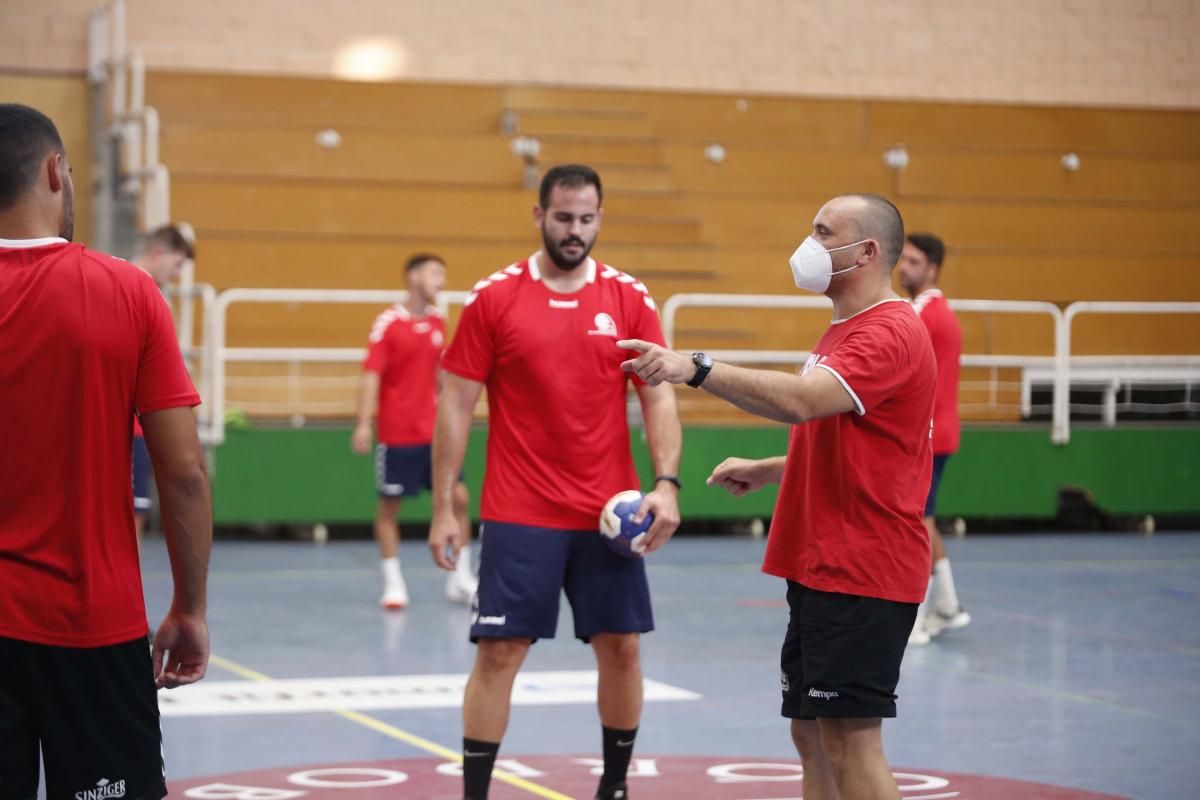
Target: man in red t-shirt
[(400, 378), (919, 270), (847, 532), (542, 335), (87, 342), (162, 253)]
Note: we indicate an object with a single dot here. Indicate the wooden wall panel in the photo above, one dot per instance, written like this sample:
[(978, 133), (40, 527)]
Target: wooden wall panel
[(794, 169), (709, 117), (273, 207), (66, 101), (213, 150), (1099, 130), (1011, 175), (318, 103)]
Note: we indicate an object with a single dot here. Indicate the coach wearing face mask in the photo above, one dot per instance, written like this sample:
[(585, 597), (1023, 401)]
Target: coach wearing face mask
[(847, 533)]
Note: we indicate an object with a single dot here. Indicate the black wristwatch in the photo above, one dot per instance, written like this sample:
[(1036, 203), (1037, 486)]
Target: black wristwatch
[(669, 479), (704, 364)]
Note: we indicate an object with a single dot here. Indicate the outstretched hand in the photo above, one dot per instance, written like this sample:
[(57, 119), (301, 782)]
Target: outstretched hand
[(656, 364)]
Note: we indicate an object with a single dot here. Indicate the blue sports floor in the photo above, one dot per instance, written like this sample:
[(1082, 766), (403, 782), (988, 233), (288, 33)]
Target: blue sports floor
[(1079, 671)]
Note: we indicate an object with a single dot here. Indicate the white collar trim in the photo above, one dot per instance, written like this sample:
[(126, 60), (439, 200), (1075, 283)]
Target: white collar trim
[(868, 308), (536, 273), (21, 244)]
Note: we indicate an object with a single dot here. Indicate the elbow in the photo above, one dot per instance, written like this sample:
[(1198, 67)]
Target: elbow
[(797, 414), (188, 480)]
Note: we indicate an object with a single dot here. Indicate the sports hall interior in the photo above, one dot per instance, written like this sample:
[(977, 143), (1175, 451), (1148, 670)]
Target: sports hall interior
[(1054, 146)]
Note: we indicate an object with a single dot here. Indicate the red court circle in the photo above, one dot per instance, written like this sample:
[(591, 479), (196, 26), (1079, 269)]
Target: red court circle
[(651, 778)]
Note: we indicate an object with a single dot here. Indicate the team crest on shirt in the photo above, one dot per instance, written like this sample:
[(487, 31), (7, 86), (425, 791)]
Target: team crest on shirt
[(605, 326), (437, 338)]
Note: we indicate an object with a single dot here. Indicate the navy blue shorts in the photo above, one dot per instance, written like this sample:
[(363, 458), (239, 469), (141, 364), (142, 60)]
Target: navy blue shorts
[(141, 475), (939, 464), (523, 571), (403, 471)]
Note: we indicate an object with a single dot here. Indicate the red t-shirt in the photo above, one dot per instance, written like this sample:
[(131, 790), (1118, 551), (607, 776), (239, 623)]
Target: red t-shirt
[(946, 336), (848, 518), (558, 439), (87, 341), (406, 352)]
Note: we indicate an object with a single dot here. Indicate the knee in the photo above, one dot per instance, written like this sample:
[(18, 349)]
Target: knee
[(847, 742), (620, 652), (501, 656), (807, 738)]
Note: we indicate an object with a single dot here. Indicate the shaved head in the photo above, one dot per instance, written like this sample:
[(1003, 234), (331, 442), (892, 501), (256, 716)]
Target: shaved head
[(877, 219)]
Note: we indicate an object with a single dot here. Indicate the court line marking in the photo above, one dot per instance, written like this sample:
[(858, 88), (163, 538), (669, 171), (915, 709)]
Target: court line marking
[(391, 731)]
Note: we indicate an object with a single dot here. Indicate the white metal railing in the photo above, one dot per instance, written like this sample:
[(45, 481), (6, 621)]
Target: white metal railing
[(1148, 369), (220, 355), (131, 123), (197, 356), (1060, 370), (990, 361)]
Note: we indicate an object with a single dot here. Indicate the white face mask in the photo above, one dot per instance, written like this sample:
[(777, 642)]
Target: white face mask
[(812, 266)]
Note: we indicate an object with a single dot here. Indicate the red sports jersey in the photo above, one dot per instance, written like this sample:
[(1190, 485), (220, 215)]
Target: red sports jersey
[(848, 518), (406, 353), (946, 336), (86, 340), (558, 439)]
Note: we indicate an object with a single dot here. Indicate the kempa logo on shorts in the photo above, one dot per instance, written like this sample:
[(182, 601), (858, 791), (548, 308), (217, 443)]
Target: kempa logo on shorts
[(485, 620), (104, 790), (821, 694), (784, 682)]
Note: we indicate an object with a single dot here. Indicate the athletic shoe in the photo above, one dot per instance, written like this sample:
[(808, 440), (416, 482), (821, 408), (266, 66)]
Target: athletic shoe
[(460, 588), (937, 623), (395, 598), (918, 637), (618, 792)]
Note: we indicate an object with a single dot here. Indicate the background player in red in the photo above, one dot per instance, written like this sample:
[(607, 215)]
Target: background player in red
[(400, 378), (919, 270), (162, 254), (847, 532), (541, 334), (87, 342)]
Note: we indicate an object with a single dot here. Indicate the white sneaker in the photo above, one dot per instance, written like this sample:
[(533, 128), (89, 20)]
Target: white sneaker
[(937, 623), (395, 598), (918, 637), (460, 588)]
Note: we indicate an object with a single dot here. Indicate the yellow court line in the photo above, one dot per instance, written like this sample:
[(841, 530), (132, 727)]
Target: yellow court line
[(391, 731)]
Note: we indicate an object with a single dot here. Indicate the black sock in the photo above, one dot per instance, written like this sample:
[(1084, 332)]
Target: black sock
[(618, 749), (478, 758)]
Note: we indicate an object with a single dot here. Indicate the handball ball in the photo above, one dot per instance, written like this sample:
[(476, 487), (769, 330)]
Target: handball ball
[(622, 535)]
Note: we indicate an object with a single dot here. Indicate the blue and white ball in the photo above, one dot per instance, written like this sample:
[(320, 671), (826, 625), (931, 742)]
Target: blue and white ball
[(622, 535)]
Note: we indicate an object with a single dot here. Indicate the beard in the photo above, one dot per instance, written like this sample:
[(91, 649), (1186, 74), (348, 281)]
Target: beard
[(561, 259), (66, 228)]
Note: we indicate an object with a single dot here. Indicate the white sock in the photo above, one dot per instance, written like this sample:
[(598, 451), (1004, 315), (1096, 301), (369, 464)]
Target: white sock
[(943, 582), (463, 567), (924, 607), (391, 572)]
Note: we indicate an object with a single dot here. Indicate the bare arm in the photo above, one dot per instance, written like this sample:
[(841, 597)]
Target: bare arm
[(456, 405), (780, 396), (181, 473), (368, 397), (740, 476), (665, 437)]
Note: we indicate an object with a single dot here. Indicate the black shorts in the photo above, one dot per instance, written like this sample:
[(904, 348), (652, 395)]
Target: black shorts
[(93, 713), (939, 466), (841, 656)]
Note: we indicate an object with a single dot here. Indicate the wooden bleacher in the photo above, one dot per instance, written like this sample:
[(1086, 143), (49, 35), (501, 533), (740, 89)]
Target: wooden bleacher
[(427, 167)]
